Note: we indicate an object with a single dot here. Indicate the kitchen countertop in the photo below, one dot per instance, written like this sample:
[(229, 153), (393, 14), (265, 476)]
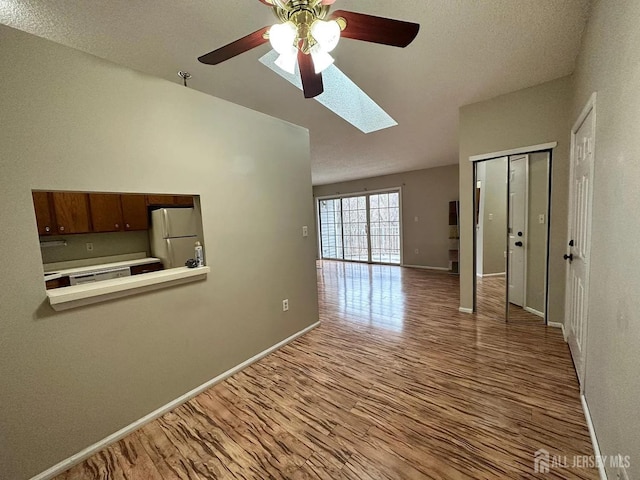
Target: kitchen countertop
[(99, 268)]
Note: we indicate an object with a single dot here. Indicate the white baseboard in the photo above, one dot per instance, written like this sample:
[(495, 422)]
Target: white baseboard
[(465, 310), (442, 269), (594, 439), (120, 434), (499, 274), (534, 311), (560, 326)]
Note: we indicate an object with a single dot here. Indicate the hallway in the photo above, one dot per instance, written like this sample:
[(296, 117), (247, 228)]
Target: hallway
[(394, 384)]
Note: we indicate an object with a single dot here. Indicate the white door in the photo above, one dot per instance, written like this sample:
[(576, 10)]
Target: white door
[(580, 196), (517, 228)]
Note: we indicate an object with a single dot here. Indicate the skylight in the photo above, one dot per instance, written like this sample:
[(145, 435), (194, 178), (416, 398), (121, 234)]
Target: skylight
[(341, 96)]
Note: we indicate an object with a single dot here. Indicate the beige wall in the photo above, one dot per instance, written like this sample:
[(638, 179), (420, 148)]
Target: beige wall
[(537, 232), (527, 117), (493, 199), (104, 245), (75, 122), (425, 194), (609, 65)]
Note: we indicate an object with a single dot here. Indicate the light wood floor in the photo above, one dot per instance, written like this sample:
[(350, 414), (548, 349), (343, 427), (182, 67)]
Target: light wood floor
[(491, 301), (395, 384)]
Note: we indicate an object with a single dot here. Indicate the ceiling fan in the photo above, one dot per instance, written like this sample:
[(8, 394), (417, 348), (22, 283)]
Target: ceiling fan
[(307, 33)]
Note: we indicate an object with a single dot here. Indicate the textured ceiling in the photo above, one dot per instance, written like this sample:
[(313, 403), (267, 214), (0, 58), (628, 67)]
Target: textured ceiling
[(466, 51)]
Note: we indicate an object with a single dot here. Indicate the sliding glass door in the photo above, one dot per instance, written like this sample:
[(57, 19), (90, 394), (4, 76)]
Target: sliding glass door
[(361, 228), (384, 214)]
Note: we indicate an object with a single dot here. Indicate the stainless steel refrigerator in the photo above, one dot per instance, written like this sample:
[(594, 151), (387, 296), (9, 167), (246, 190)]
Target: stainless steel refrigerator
[(173, 235)]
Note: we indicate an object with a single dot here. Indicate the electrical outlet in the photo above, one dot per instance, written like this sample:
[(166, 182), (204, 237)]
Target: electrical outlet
[(285, 304), (89, 247), (416, 251), (305, 231), (491, 217)]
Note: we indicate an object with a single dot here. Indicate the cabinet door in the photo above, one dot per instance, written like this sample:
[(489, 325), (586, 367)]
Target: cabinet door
[(164, 200), (183, 200), (134, 212), (106, 212), (44, 213), (72, 212)]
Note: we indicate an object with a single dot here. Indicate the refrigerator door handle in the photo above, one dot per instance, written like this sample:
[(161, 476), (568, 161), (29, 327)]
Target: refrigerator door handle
[(165, 223), (170, 252)]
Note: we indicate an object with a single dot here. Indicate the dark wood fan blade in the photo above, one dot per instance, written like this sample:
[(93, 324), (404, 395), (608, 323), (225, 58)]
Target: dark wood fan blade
[(241, 45), (369, 28), (311, 81)]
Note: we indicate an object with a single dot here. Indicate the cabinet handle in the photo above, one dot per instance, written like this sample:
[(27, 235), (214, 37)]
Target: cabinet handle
[(47, 229), (61, 228), (127, 225), (117, 226)]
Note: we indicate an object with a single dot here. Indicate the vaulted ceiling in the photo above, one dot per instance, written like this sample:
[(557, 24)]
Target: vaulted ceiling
[(466, 51)]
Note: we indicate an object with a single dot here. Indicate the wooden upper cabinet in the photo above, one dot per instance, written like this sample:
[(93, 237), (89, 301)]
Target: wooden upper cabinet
[(160, 199), (170, 200), (106, 212), (184, 200), (44, 213), (134, 212), (72, 212)]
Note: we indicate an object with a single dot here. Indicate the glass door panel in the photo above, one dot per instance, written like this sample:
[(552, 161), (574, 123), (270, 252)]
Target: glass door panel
[(384, 213), (331, 228), (363, 228), (355, 229)]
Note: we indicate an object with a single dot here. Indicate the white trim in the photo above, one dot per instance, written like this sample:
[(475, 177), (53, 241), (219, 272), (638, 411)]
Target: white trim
[(594, 439), (357, 194), (114, 437), (513, 151), (465, 310), (424, 267), (560, 326), (591, 105), (492, 274), (80, 295), (535, 312)]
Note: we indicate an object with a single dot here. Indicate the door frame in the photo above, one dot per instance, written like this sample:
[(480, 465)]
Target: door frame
[(589, 107), (337, 195), (507, 153)]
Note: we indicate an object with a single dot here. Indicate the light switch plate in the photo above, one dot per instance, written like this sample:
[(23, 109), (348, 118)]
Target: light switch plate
[(541, 218), (305, 231)]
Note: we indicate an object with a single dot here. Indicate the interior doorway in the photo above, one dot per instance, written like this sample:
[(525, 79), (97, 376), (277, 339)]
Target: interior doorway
[(363, 227), (511, 235)]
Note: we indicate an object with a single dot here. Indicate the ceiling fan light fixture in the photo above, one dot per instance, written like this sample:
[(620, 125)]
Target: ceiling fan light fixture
[(321, 59), (287, 62), (326, 33), (282, 37)]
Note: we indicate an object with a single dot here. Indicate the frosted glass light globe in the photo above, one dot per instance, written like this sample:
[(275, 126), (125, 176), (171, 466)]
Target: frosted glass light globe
[(327, 34), (282, 36)]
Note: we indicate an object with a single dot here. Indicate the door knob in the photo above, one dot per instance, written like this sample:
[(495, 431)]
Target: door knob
[(518, 244), (571, 243), (569, 257), (519, 234)]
